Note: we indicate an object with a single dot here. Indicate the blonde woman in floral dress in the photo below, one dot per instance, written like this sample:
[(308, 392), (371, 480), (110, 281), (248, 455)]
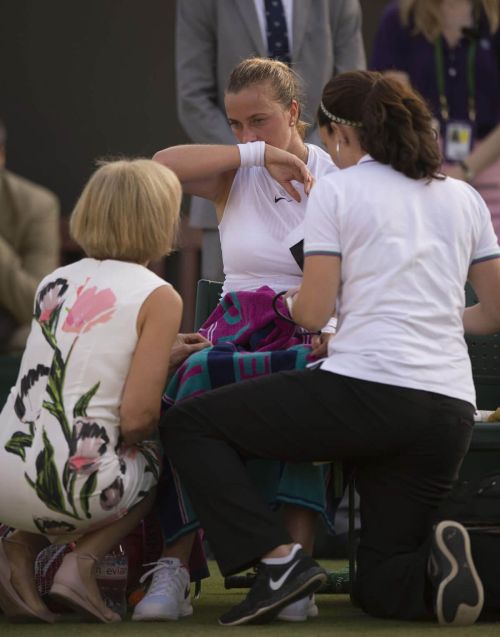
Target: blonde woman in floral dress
[(76, 461)]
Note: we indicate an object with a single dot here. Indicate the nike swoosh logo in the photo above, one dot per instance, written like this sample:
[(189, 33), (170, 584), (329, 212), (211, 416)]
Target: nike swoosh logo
[(275, 585), (276, 199)]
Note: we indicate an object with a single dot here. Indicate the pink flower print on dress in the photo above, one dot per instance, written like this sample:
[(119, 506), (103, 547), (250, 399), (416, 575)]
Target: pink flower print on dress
[(90, 308), (88, 443), (49, 304), (50, 299)]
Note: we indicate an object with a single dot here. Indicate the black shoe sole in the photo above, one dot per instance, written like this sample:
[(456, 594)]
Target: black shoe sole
[(307, 583), (460, 595)]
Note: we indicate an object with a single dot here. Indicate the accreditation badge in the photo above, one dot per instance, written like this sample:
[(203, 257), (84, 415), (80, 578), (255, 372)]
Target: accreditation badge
[(458, 140)]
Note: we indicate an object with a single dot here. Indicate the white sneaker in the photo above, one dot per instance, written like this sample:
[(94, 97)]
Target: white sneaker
[(168, 594), (300, 610)]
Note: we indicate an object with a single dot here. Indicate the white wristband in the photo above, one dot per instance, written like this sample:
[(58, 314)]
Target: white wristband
[(331, 326), (252, 153)]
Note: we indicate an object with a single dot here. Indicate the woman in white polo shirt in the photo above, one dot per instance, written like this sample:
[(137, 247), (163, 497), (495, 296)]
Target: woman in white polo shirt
[(392, 243)]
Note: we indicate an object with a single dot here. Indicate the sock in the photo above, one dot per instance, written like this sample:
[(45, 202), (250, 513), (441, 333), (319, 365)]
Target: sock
[(283, 560)]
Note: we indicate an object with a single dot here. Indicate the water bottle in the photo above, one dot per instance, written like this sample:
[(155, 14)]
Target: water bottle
[(338, 582), (111, 575)]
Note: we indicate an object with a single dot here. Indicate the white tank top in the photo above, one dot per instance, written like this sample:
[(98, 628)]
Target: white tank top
[(261, 223)]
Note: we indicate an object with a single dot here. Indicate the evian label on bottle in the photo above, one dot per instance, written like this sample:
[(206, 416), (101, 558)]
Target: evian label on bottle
[(111, 571)]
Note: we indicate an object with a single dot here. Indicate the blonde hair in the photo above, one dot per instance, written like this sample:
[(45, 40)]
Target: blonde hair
[(129, 211), (283, 81), (426, 18)]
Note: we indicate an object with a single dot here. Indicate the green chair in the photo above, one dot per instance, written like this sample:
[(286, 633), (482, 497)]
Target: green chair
[(484, 453), (484, 352), (207, 296)]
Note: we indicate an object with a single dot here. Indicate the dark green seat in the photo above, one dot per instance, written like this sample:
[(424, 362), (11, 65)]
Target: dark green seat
[(207, 296), (484, 352), (484, 453)]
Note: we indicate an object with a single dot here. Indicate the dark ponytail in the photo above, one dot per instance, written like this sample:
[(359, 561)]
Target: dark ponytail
[(395, 122)]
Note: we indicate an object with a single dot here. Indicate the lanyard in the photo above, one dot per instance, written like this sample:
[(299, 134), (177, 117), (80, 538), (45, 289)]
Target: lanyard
[(471, 79)]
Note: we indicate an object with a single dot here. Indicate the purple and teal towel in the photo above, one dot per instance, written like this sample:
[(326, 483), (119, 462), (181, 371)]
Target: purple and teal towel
[(249, 340), (248, 320)]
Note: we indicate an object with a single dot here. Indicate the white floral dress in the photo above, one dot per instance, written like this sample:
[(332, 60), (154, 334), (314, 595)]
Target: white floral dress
[(62, 466)]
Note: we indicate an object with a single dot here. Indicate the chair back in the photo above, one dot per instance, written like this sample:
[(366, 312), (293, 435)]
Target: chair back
[(484, 352), (207, 297)]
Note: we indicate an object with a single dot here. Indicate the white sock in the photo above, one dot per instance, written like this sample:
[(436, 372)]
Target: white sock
[(283, 560)]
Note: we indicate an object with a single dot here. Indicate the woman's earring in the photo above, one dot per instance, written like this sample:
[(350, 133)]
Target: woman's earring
[(337, 148), (292, 123)]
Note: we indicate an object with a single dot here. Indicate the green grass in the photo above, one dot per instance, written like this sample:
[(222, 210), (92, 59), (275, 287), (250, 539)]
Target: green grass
[(338, 618)]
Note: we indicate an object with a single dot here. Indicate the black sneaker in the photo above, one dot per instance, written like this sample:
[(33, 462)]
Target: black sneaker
[(458, 591), (274, 587)]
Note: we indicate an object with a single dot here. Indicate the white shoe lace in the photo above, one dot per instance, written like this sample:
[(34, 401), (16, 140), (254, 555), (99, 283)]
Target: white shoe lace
[(166, 578)]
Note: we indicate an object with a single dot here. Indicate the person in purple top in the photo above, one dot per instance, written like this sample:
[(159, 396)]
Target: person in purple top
[(449, 50)]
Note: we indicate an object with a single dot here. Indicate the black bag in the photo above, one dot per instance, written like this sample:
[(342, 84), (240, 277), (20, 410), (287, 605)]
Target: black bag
[(476, 505)]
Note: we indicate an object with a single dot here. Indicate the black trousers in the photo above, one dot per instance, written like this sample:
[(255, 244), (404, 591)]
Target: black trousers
[(406, 446)]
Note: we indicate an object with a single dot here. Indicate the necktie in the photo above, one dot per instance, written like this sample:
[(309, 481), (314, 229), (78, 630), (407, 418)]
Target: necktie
[(277, 34)]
